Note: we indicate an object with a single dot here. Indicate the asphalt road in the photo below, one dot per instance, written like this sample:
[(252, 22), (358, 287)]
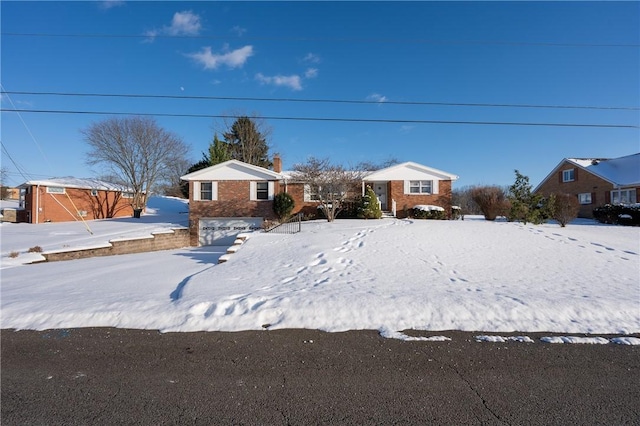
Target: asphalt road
[(111, 376)]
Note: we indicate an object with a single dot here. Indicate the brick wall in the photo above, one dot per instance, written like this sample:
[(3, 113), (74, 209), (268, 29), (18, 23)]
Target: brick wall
[(166, 240), (405, 202), (59, 207), (584, 182)]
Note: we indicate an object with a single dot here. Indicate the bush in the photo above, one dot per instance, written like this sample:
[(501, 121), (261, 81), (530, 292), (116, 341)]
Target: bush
[(35, 249), (283, 205), (428, 212), (563, 207), (369, 206), (491, 200), (618, 214), (14, 254)]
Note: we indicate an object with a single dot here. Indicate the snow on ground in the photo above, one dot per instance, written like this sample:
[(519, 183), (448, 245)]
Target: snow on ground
[(389, 275)]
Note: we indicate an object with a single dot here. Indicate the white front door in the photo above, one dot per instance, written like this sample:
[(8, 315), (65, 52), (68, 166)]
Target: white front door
[(380, 188)]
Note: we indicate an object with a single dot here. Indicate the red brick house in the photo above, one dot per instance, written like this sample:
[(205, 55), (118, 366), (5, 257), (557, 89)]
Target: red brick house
[(595, 181), (67, 199), (231, 197)]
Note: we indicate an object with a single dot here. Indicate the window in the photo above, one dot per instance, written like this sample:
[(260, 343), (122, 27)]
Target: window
[(127, 195), (206, 191), (584, 198), (262, 190), (55, 190), (623, 196), (310, 194), (94, 192), (420, 187), (568, 175)]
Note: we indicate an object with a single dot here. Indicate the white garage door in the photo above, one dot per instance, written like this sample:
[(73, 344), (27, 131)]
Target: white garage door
[(223, 230)]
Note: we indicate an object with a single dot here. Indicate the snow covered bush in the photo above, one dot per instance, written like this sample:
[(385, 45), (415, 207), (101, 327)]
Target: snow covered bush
[(618, 214), (428, 212), (491, 200)]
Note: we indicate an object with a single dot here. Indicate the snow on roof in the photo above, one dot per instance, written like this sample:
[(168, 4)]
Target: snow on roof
[(622, 171), (80, 183)]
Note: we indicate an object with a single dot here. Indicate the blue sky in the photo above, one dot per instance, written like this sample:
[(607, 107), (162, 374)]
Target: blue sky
[(498, 53)]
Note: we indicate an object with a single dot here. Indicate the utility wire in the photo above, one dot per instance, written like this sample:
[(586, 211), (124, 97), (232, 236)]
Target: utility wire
[(326, 39), (337, 101), (335, 119)]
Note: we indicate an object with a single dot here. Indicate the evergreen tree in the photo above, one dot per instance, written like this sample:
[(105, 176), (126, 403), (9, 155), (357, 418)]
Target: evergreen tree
[(525, 206), (246, 143), (370, 207), (219, 151)]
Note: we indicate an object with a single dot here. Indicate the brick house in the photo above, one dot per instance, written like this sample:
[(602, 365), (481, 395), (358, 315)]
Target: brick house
[(233, 196), (595, 181), (67, 199)]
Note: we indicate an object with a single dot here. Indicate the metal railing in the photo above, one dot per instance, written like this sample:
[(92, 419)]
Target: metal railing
[(291, 226)]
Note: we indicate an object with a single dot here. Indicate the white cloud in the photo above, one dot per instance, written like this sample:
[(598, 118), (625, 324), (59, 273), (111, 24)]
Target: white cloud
[(184, 23), (311, 73), (376, 97), (233, 59), (109, 4), (293, 82), (312, 58)]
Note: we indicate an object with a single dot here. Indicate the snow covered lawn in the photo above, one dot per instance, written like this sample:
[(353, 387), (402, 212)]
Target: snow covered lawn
[(388, 275)]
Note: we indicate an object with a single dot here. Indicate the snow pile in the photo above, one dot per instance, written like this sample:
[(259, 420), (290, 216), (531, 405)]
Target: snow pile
[(428, 208)]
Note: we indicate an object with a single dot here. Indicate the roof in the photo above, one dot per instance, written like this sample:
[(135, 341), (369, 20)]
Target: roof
[(621, 171), (233, 170), (403, 171), (79, 183)]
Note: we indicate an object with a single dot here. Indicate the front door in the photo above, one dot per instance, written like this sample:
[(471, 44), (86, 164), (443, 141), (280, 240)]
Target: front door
[(380, 188)]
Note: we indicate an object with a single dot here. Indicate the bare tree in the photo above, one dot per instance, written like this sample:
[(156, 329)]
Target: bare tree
[(332, 185), (136, 150)]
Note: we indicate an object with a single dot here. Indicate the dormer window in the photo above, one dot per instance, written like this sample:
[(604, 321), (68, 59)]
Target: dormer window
[(568, 175)]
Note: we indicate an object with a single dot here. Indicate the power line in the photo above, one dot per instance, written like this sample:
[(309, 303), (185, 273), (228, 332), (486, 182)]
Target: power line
[(337, 101), (325, 39), (334, 119)]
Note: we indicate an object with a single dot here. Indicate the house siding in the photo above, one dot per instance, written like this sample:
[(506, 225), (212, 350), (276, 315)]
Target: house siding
[(406, 202), (584, 182), (63, 207)]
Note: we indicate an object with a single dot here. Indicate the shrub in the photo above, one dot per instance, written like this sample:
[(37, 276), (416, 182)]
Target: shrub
[(428, 212), (563, 207), (491, 200), (456, 213), (524, 205), (618, 214), (369, 206), (35, 249), (283, 205), (14, 254)]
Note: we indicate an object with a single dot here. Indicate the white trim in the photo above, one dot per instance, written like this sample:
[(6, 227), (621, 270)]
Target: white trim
[(272, 190), (196, 191), (253, 191)]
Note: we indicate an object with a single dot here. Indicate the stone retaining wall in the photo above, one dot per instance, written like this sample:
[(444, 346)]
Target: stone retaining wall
[(162, 240)]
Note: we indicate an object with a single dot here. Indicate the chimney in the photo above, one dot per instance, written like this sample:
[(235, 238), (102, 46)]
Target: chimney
[(277, 163)]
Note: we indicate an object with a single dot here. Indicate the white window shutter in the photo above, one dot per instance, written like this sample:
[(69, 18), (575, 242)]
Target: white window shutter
[(434, 186), (214, 191), (407, 189), (307, 192), (272, 189), (196, 191), (253, 191)]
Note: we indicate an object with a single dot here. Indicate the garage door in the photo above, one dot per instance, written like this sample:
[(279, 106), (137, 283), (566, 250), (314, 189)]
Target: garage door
[(223, 230)]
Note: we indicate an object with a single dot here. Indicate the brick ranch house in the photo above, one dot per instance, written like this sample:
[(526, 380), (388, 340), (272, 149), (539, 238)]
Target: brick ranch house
[(230, 197), (67, 199), (595, 181)]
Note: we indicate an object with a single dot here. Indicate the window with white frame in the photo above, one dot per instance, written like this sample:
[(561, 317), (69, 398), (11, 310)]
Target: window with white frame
[(584, 198), (310, 194), (623, 196), (420, 187), (206, 191), (262, 190), (127, 195), (568, 175), (55, 190), (94, 192)]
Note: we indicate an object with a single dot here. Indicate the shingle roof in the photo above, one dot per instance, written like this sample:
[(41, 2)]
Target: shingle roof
[(622, 171), (80, 183)]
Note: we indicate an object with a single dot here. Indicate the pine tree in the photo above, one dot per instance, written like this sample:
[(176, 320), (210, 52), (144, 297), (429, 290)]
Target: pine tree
[(525, 206), (247, 144), (219, 151), (370, 207)]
